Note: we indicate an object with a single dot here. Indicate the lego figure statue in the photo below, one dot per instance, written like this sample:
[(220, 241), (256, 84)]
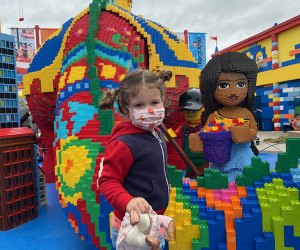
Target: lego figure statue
[(227, 87), (143, 231), (191, 105)]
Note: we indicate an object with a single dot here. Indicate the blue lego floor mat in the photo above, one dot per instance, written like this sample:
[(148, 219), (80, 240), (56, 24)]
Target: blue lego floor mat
[(51, 230)]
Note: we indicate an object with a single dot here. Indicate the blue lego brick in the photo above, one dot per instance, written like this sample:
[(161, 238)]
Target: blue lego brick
[(266, 179), (49, 50), (212, 213), (105, 207), (289, 236), (203, 216), (274, 175), (296, 243), (251, 189), (217, 229), (270, 240), (248, 204), (286, 176), (104, 226), (222, 246), (248, 228), (258, 184), (288, 184), (162, 48), (260, 243), (252, 197)]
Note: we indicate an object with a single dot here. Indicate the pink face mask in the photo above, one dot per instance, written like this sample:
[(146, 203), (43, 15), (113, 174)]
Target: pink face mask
[(147, 118)]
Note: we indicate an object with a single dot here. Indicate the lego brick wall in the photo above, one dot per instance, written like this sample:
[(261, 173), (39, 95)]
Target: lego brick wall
[(284, 102)]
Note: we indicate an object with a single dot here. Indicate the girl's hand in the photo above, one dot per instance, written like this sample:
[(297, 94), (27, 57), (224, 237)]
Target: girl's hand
[(170, 231), (140, 205)]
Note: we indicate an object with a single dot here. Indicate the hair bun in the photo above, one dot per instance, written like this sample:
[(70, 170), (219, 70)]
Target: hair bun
[(165, 75), (108, 99)]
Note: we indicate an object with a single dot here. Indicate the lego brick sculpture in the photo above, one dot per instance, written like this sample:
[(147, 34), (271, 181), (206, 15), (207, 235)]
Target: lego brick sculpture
[(92, 52)]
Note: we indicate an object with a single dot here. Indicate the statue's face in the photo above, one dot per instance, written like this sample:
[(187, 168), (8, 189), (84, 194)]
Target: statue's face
[(232, 88)]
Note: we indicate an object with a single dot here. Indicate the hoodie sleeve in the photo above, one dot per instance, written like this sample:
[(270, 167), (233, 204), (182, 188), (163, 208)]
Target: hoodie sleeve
[(116, 164)]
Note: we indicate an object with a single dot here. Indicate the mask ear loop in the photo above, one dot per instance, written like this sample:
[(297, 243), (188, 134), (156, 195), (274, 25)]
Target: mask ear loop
[(128, 107)]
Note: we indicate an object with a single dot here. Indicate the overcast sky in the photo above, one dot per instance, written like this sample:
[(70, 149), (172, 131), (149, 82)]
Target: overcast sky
[(230, 20)]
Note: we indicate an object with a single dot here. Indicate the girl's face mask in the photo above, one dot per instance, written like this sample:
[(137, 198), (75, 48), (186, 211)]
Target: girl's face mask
[(147, 118)]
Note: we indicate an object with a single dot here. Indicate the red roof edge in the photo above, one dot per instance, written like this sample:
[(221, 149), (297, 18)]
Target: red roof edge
[(15, 132)]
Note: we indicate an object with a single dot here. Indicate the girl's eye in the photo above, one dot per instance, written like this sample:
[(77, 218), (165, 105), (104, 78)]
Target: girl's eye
[(155, 103), (223, 85), (241, 84), (139, 105)]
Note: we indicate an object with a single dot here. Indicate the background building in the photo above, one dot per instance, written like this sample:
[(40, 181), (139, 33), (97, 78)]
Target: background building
[(277, 54), (9, 111)]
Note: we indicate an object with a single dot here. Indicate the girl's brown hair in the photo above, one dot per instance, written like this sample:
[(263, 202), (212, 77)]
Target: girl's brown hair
[(131, 85)]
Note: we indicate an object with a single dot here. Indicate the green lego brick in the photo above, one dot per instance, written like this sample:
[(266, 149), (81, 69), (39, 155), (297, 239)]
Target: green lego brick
[(204, 234), (269, 186), (283, 163), (187, 205), (250, 175), (275, 204), (284, 199), (265, 168), (183, 198), (201, 181), (266, 218), (209, 181), (287, 214), (103, 242), (294, 193), (277, 182), (195, 220), (179, 191), (175, 177), (196, 244), (292, 147), (240, 180), (195, 210), (223, 181), (256, 161), (280, 189), (278, 229), (263, 199), (261, 191)]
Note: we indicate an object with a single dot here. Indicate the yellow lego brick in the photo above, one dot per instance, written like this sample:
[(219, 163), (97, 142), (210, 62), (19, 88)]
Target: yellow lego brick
[(276, 99), (76, 73), (172, 245)]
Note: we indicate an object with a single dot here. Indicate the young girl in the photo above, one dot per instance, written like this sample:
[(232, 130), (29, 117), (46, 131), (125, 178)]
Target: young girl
[(134, 174), (227, 87)]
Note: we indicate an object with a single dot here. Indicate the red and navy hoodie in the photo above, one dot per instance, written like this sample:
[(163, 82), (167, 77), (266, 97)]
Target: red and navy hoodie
[(135, 165)]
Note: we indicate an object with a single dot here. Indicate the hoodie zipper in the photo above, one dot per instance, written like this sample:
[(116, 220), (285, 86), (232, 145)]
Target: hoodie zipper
[(164, 162)]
